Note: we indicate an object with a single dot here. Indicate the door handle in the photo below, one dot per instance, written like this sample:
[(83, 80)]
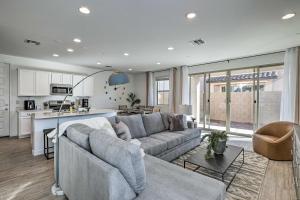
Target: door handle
[(6, 109)]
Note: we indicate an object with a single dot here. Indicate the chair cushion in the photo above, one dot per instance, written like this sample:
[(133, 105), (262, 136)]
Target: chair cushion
[(172, 139), (153, 146), (267, 138), (153, 123), (190, 134), (79, 134), (121, 154), (165, 119), (135, 125)]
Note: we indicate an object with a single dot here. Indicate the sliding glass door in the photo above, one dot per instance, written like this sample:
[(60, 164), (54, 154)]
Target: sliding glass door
[(238, 101), (242, 100), (217, 100)]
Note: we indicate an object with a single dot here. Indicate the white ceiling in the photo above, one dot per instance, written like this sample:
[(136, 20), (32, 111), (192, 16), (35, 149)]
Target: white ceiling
[(145, 29)]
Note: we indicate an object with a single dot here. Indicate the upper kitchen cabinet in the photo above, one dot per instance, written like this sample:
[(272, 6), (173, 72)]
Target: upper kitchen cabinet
[(78, 90), (26, 82), (56, 78), (33, 83), (42, 83), (88, 89), (60, 78), (85, 88), (67, 79)]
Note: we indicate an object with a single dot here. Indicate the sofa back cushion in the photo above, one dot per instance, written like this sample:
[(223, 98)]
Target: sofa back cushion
[(79, 134), (153, 123), (135, 125), (122, 131), (125, 156), (165, 119)]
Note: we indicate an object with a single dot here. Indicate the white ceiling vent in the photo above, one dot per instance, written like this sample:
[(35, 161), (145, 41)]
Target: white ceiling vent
[(27, 41), (197, 42)]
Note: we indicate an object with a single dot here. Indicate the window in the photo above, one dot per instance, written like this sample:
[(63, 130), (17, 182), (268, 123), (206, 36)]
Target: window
[(162, 88)]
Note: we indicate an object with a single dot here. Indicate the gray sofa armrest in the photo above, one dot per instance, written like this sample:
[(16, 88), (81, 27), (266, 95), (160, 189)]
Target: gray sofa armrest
[(84, 176)]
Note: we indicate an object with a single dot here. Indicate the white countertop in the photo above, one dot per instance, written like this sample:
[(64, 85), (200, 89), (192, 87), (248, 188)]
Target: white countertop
[(47, 115), (33, 111)]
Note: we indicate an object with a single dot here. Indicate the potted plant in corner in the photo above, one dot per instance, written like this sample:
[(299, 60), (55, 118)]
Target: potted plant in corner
[(132, 99), (216, 143)]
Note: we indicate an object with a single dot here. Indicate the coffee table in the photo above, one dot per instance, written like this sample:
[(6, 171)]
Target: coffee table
[(219, 163)]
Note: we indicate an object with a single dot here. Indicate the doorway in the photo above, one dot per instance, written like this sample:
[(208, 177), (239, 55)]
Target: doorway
[(237, 101), (4, 100)]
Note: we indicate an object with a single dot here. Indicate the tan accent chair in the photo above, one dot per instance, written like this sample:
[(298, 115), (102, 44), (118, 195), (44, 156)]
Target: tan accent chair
[(274, 140)]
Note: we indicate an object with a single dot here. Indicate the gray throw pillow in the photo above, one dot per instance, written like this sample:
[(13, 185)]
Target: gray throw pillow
[(122, 131), (176, 122), (79, 134), (124, 156), (112, 120), (135, 125), (153, 123), (165, 119)]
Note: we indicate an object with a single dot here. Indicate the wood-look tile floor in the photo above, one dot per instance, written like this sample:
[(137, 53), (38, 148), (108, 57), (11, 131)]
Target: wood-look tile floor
[(25, 177)]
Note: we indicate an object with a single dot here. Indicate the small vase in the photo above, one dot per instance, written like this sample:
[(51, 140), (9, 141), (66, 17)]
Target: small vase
[(220, 147)]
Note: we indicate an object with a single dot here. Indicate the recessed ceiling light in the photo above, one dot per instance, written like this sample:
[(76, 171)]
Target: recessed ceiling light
[(55, 55), (98, 63), (288, 16), (158, 63), (77, 40), (130, 69), (84, 10), (70, 50), (191, 15), (170, 48), (126, 54)]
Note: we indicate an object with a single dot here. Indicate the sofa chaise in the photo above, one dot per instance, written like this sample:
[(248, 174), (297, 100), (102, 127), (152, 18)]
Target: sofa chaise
[(83, 175)]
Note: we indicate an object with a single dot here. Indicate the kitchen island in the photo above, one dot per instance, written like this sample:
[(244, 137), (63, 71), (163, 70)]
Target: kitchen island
[(46, 120)]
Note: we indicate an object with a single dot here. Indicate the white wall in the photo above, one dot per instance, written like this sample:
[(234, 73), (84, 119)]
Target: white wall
[(263, 60), (118, 97), (140, 86)]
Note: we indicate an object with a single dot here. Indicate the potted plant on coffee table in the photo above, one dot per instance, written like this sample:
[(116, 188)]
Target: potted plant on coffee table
[(216, 143)]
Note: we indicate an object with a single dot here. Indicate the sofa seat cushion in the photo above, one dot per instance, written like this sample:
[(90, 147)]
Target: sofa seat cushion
[(153, 123), (166, 181), (190, 134), (135, 125), (172, 139), (124, 156), (153, 146)]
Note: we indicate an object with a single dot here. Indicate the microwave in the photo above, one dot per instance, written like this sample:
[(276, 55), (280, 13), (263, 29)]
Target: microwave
[(61, 89)]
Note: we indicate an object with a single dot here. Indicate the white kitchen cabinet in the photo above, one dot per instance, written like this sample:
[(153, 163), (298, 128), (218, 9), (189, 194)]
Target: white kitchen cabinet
[(56, 78), (42, 83), (78, 90), (67, 79), (25, 128), (26, 82), (33, 83), (84, 89), (88, 87), (61, 78)]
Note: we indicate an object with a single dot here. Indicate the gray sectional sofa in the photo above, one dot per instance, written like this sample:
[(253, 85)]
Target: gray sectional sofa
[(94, 166)]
